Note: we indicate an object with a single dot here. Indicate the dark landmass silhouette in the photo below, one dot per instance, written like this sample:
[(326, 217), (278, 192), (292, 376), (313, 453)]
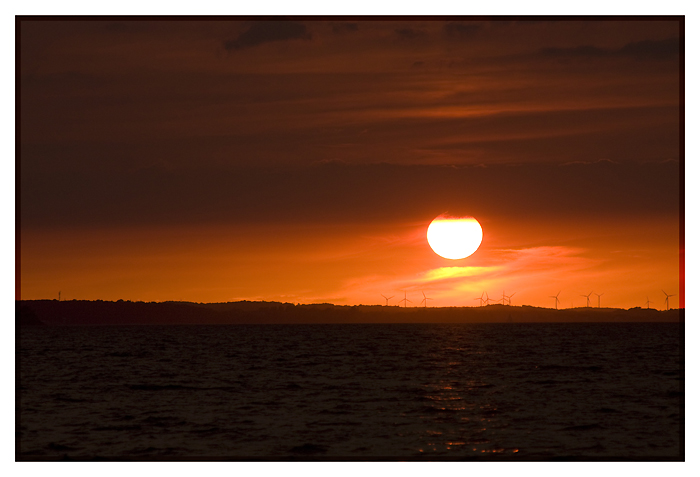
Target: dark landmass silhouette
[(83, 312)]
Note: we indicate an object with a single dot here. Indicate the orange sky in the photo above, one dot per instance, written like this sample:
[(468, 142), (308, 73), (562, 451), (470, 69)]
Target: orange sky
[(355, 264), (303, 161)]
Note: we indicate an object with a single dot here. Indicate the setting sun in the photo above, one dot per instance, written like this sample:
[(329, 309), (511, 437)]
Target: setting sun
[(454, 237)]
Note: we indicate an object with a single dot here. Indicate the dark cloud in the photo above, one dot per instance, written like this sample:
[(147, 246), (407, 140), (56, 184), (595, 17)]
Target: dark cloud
[(267, 31), (344, 27), (410, 33), (126, 27), (90, 115), (462, 30), (640, 50), (336, 192), (588, 163), (577, 51), (116, 27), (661, 49)]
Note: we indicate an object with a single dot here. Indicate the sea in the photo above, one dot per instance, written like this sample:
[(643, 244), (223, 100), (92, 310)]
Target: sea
[(506, 391)]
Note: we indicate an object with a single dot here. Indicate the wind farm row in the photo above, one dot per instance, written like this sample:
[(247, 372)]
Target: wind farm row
[(506, 300)]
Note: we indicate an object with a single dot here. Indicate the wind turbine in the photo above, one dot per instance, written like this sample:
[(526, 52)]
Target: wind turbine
[(556, 299), (503, 298), (667, 297), (588, 300), (405, 300), (509, 297), (481, 299), (599, 298), (647, 303), (387, 299), (488, 299), (425, 300)]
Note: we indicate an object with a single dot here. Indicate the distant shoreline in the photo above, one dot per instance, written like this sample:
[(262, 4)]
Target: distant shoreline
[(84, 312)]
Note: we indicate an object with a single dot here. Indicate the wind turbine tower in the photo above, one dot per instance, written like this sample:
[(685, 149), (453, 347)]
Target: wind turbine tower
[(509, 297), (481, 299), (425, 300), (647, 303), (405, 300), (387, 299), (588, 300), (556, 300), (599, 298), (667, 297)]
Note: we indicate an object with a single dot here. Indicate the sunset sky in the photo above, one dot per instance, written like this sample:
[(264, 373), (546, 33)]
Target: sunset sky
[(302, 160)]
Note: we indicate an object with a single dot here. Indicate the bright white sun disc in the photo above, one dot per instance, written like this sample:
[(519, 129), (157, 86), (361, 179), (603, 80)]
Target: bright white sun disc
[(454, 237)]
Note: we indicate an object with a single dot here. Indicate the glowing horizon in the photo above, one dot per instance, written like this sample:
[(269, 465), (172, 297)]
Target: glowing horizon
[(301, 269)]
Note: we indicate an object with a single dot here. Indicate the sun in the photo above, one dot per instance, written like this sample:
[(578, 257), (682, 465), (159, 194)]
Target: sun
[(454, 237)]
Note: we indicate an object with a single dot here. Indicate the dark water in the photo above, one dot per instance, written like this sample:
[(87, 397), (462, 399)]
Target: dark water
[(494, 391)]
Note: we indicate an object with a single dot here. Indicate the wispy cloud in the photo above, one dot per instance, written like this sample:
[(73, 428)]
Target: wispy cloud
[(462, 31), (344, 27), (668, 48), (525, 270), (267, 31), (410, 33), (448, 273)]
